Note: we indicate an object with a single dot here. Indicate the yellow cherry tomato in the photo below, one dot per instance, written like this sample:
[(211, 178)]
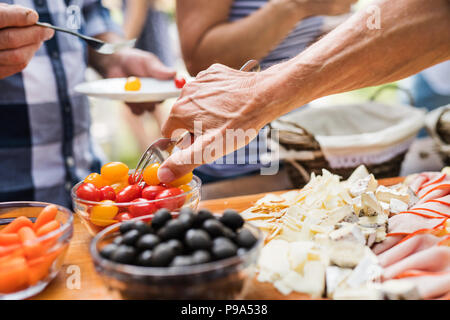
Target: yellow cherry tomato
[(119, 186), (114, 172), (183, 180), (186, 188), (104, 211), (151, 174), (103, 223), (96, 179), (133, 84)]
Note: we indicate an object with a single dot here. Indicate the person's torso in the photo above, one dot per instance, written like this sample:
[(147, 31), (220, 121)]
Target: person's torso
[(303, 34), (44, 125), (247, 159)]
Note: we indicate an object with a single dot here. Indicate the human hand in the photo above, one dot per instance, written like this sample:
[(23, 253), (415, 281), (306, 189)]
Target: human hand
[(138, 63), (230, 106), (20, 38)]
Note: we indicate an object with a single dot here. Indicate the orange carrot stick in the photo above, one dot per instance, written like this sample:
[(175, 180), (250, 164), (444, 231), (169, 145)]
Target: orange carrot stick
[(13, 275), (39, 267), (48, 227), (7, 239), (29, 241), (17, 224), (47, 214)]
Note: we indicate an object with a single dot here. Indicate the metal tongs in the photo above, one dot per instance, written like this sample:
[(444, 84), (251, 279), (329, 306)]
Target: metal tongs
[(161, 149)]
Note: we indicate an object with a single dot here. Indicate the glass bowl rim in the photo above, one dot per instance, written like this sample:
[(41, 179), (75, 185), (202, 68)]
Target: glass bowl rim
[(167, 272), (198, 184), (68, 225)]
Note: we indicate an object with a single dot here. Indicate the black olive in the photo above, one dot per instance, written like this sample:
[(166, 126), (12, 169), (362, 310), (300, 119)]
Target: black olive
[(147, 241), (174, 229), (145, 258), (245, 238), (201, 256), (214, 227), (162, 255), (108, 250), (201, 216), (130, 237), (142, 227), (197, 239), (124, 254), (187, 219), (223, 248), (241, 251), (176, 245), (228, 233), (126, 226), (186, 210), (232, 219), (118, 240), (182, 261), (160, 218)]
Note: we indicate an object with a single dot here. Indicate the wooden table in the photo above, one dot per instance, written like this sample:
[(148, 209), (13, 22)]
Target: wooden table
[(92, 286)]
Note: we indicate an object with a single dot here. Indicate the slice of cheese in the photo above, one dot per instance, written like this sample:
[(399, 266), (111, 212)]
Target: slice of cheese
[(370, 204), (396, 206), (385, 194), (367, 184)]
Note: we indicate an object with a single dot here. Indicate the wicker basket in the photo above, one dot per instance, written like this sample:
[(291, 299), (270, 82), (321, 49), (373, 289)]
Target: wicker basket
[(303, 154), (438, 126)]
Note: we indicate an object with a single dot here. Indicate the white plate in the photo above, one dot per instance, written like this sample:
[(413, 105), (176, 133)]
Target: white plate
[(152, 90)]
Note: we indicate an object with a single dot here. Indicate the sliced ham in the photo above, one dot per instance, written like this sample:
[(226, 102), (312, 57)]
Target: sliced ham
[(434, 259), (406, 248), (406, 223), (433, 286), (434, 191), (387, 244)]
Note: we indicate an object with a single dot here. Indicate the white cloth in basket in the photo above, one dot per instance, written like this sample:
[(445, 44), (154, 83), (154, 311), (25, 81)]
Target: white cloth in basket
[(354, 134)]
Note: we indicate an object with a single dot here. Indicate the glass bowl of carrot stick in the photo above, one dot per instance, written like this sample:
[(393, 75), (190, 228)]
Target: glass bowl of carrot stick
[(34, 238)]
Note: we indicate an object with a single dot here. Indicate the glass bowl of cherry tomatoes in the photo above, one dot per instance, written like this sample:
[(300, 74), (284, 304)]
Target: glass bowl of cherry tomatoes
[(113, 196)]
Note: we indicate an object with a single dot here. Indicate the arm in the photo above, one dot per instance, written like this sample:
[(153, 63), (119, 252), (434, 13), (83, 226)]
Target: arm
[(135, 15), (207, 36), (414, 35)]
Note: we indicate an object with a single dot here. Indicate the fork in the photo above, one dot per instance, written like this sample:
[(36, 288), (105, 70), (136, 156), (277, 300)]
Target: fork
[(98, 45), (161, 149)]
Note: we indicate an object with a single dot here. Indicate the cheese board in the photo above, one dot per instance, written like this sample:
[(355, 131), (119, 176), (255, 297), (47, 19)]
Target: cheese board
[(79, 280)]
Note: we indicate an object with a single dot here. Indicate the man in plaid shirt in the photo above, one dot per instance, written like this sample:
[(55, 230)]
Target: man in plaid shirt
[(45, 146)]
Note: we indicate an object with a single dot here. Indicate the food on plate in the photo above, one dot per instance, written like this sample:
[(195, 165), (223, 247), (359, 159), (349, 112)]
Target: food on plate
[(114, 195), (25, 259), (185, 241), (333, 225), (133, 84), (179, 82)]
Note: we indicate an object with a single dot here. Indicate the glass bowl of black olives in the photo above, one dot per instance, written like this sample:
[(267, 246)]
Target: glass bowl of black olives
[(185, 255)]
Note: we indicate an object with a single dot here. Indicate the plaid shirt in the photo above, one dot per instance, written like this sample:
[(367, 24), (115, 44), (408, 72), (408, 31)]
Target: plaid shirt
[(45, 146)]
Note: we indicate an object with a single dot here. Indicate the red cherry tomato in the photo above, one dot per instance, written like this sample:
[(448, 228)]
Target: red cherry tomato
[(129, 193), (87, 191), (108, 193), (150, 192), (124, 216), (179, 82), (131, 180), (141, 208), (170, 204)]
